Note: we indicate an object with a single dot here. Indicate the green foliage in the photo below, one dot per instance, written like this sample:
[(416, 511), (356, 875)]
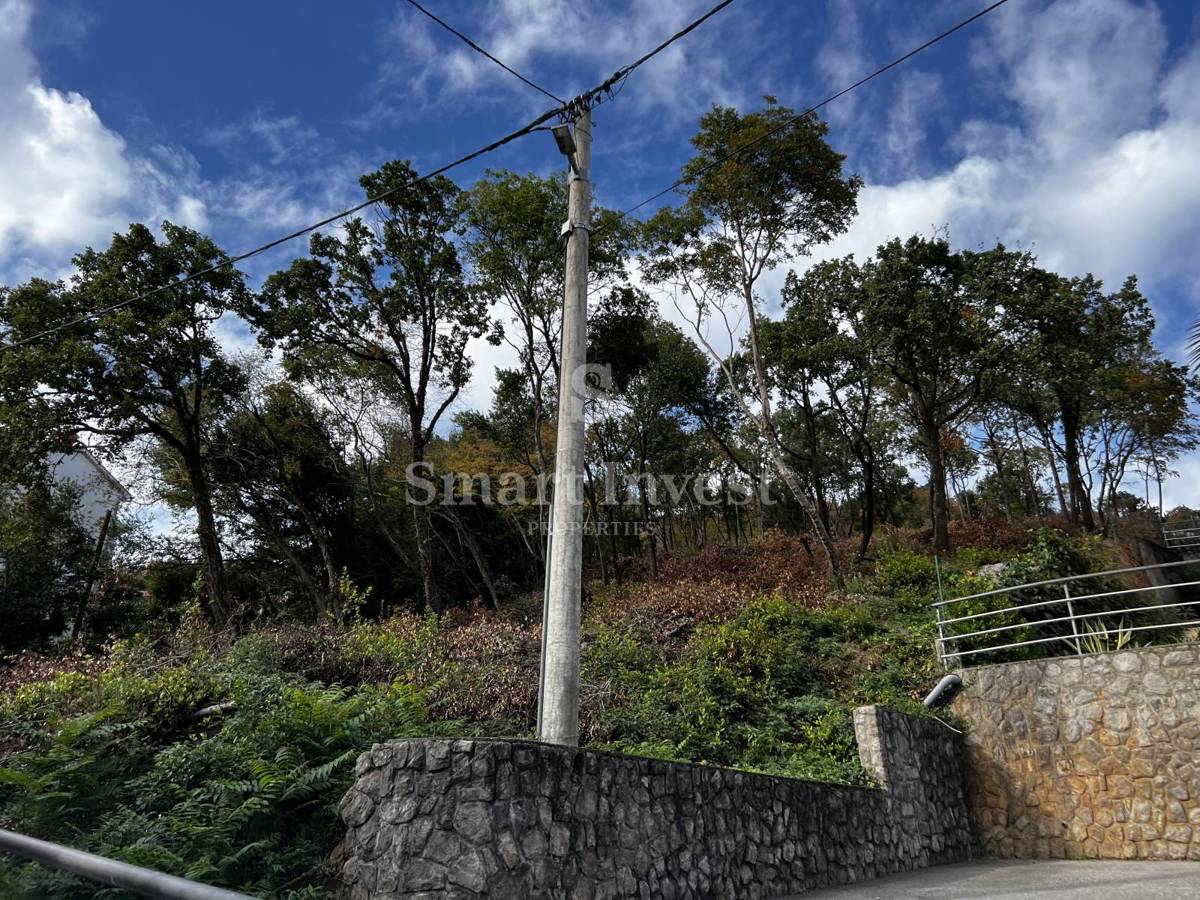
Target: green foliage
[(1052, 554), (1101, 638), (757, 692), (118, 764), (373, 649), (907, 577), (44, 558), (1049, 554), (971, 558)]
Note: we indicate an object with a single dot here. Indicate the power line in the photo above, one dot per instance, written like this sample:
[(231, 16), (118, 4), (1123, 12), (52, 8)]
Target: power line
[(626, 71), (567, 109), (797, 118), (474, 46)]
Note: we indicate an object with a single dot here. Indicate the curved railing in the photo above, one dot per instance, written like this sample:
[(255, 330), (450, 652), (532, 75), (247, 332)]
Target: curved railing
[(110, 872), (1074, 617)]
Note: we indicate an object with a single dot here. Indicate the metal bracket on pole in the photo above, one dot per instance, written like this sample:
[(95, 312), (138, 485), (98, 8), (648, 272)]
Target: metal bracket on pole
[(568, 228)]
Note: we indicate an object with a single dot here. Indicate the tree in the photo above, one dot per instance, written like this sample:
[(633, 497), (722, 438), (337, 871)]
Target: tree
[(1145, 419), (765, 189), (278, 462), (513, 224), (149, 369), (1067, 341), (928, 313), (44, 559), (821, 339), (391, 305), (654, 369)]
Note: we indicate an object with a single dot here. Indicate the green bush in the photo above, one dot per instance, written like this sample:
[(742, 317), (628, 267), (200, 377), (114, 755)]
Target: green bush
[(113, 765), (969, 559), (746, 693), (907, 578)]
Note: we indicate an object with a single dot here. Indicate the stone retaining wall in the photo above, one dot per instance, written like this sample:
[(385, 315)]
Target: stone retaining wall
[(1095, 756), (516, 819)]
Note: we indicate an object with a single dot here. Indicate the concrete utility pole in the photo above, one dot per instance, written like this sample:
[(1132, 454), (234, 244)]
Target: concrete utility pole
[(558, 694)]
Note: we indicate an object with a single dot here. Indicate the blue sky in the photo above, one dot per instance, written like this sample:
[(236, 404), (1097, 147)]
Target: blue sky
[(1070, 127)]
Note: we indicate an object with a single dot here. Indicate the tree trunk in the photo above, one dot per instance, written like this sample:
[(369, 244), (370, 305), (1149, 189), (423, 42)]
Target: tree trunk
[(590, 487), (939, 508), (481, 563), (649, 534), (314, 593), (93, 568), (318, 537), (774, 447), (423, 534), (867, 459), (423, 531), (613, 555), (1081, 501), (998, 463), (212, 563), (810, 427), (1059, 491), (1034, 506)]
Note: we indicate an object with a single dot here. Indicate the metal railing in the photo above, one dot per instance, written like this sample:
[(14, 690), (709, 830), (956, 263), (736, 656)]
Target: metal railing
[(1182, 535), (1075, 629), (110, 872)]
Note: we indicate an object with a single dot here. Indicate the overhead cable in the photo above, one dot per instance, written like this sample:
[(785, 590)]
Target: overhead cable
[(474, 46)]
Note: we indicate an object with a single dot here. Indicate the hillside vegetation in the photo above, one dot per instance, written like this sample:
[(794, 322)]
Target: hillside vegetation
[(220, 756), (355, 551)]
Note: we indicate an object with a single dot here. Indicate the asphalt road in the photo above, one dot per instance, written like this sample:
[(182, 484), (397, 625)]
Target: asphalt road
[(1031, 880)]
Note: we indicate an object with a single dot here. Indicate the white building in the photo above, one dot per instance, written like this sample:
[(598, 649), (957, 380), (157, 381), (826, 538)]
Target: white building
[(99, 492)]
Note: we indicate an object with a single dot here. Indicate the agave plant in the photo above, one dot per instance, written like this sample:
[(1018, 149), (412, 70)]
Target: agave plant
[(1098, 639)]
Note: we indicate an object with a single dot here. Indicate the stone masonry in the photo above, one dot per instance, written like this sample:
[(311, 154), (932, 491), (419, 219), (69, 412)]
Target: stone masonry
[(436, 818), (1095, 756)]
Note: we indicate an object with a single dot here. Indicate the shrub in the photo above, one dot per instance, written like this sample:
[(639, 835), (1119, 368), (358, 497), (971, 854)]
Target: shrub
[(906, 577), (245, 801), (745, 693)]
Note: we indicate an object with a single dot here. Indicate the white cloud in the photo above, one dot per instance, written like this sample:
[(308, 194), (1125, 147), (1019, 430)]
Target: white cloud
[(425, 65), (918, 98), (1181, 490), (1097, 172), (843, 59), (486, 358), (66, 179), (1082, 71), (1100, 174)]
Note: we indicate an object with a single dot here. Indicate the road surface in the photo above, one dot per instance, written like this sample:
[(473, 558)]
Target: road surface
[(1031, 880)]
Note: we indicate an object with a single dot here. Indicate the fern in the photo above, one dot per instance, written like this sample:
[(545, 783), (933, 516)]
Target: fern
[(249, 805)]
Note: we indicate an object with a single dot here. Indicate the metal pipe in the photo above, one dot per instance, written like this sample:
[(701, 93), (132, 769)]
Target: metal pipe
[(110, 872), (1071, 618), (1074, 622), (1032, 584), (948, 681), (1191, 623), (1041, 603), (545, 611)]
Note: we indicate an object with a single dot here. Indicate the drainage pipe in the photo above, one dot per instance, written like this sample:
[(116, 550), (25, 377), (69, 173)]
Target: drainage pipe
[(947, 683)]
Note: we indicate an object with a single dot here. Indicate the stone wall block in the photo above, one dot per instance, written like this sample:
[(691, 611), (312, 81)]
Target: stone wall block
[(441, 819), (1110, 763)]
